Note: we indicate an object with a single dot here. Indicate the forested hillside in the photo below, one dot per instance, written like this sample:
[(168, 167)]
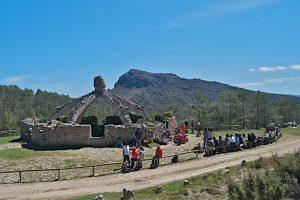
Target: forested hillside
[(212, 103), (17, 104)]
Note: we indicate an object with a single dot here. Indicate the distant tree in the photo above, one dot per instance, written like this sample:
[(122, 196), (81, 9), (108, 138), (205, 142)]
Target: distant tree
[(257, 109), (230, 101), (242, 100)]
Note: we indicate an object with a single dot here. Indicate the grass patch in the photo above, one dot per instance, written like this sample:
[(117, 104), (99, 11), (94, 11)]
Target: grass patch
[(69, 163), (18, 153), (8, 139), (291, 131)]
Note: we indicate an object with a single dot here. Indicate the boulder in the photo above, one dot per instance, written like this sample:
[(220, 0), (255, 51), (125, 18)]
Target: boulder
[(244, 162), (99, 197), (159, 190), (127, 194), (186, 182)]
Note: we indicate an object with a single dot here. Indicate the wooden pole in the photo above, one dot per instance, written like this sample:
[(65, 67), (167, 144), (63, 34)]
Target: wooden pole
[(20, 177)]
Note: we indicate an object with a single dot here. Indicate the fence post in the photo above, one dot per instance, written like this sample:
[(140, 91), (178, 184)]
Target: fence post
[(20, 176), (93, 170)]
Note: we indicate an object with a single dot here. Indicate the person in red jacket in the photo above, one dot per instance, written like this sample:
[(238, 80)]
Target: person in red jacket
[(183, 128), (158, 153), (135, 156)]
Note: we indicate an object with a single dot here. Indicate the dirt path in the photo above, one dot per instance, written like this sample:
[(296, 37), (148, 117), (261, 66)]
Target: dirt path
[(161, 175)]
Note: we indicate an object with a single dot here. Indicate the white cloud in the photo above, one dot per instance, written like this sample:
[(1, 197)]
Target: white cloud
[(295, 67), (272, 69), (15, 79), (266, 69), (269, 81), (283, 79)]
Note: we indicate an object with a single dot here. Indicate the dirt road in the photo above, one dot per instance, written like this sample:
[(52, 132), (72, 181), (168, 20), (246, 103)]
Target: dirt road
[(161, 175)]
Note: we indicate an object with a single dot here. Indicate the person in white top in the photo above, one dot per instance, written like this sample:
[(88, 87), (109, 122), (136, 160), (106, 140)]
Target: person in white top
[(232, 139), (126, 153)]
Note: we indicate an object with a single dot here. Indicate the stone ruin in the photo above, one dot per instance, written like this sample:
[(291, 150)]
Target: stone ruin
[(73, 134)]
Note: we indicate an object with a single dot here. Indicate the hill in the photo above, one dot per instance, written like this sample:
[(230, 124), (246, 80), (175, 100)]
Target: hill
[(160, 90)]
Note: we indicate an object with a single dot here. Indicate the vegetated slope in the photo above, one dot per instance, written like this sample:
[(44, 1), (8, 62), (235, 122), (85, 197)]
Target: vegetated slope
[(17, 104), (159, 91)]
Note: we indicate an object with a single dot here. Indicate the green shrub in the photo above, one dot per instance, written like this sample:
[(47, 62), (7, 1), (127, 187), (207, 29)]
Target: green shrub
[(63, 119), (134, 117), (44, 120), (249, 186), (261, 187), (259, 163), (235, 192), (115, 120), (160, 118), (169, 114)]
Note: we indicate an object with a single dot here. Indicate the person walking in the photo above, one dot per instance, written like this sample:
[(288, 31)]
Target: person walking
[(205, 137), (126, 154), (158, 153), (135, 156), (141, 158)]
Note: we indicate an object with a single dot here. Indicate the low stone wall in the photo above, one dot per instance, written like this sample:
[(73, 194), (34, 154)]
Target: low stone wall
[(97, 142), (112, 133), (58, 135), (61, 136)]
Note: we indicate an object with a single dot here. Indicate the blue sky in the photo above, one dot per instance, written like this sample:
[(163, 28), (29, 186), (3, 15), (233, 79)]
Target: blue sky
[(60, 45)]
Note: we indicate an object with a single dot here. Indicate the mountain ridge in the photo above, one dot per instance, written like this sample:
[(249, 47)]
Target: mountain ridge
[(157, 90)]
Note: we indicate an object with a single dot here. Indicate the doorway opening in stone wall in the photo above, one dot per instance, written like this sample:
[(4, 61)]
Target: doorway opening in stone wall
[(100, 132), (97, 129)]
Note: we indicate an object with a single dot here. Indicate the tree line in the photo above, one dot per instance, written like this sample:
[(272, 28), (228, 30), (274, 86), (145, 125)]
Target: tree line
[(17, 104), (248, 109)]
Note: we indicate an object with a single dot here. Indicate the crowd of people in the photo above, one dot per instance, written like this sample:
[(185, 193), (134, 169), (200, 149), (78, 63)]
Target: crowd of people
[(234, 142)]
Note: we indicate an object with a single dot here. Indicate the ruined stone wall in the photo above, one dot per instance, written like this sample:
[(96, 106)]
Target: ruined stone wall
[(97, 142), (24, 127), (68, 135), (77, 113), (61, 135), (58, 135), (112, 133), (60, 110), (132, 107)]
